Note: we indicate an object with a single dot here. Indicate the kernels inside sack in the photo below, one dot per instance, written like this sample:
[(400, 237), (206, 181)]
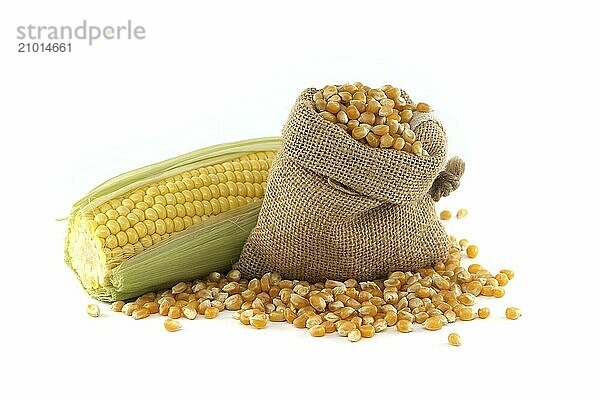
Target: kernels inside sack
[(375, 117)]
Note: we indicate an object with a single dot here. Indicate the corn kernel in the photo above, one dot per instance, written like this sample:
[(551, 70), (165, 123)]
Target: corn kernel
[(454, 339), (163, 309), (152, 306), (359, 132), (313, 321), (466, 299), (367, 118), (417, 148), (277, 316), (93, 310), (450, 316), (487, 291), (372, 139), (472, 251), (381, 130), (512, 313), (245, 316), (404, 326), (491, 282), (298, 301), (234, 303), (354, 335), (423, 107), (171, 325), (368, 310), (409, 137), (445, 215), (140, 313), (367, 331), (508, 272), (320, 104), (406, 115), (333, 107), (329, 91), (345, 327), (399, 143), (180, 303), (483, 313), (234, 275), (211, 312), (129, 308), (300, 321), (174, 312), (179, 288), (329, 326), (386, 141), (433, 323), (420, 317), (391, 318), (380, 325), (117, 306), (317, 302), (259, 320), (461, 213), (502, 279), (474, 288), (317, 331), (474, 268), (328, 116), (466, 314), (189, 312), (357, 321)]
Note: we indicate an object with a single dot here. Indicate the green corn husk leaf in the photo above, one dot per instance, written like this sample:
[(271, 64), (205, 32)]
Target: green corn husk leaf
[(212, 245)]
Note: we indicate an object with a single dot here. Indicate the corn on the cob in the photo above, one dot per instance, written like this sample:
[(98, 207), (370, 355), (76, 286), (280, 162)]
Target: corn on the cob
[(168, 222)]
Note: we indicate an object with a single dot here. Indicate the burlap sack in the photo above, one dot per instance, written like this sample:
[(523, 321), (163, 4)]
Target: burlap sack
[(335, 208)]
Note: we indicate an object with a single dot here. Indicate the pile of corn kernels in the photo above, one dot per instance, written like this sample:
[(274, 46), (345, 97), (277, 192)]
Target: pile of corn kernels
[(432, 297), (376, 117)]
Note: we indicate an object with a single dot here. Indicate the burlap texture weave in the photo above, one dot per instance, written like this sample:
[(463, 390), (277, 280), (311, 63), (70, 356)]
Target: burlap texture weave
[(335, 208)]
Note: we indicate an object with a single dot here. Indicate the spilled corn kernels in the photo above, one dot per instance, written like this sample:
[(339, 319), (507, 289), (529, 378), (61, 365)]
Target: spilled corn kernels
[(431, 297)]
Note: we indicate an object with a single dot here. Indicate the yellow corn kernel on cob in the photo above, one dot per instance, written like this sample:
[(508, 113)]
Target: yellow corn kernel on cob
[(168, 222)]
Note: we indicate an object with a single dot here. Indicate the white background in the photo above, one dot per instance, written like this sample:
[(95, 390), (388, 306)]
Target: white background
[(515, 83)]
